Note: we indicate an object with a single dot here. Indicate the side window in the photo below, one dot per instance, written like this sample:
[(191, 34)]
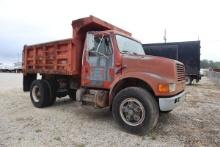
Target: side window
[(102, 47)]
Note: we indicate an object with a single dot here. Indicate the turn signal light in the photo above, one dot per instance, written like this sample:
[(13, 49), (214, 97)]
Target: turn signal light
[(167, 87), (163, 88)]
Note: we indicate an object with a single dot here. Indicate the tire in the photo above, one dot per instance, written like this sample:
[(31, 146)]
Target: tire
[(188, 80), (72, 94), (39, 93), (52, 91), (166, 112), (147, 105)]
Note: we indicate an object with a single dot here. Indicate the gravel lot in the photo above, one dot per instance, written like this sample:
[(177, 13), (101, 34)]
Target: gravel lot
[(195, 123)]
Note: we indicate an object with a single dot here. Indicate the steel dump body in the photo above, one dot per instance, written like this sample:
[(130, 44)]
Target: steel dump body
[(58, 57), (63, 57)]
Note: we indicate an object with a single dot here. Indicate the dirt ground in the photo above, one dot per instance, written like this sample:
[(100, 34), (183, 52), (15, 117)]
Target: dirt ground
[(195, 123)]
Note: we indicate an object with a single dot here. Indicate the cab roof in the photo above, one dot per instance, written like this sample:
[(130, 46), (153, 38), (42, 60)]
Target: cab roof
[(108, 32)]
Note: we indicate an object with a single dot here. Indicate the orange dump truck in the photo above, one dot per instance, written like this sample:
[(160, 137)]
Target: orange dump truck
[(104, 66)]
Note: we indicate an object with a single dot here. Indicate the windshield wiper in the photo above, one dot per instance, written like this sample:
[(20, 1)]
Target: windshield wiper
[(125, 52), (130, 53)]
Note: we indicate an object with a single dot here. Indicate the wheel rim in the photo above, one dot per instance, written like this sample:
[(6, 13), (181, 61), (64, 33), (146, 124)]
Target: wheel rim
[(187, 80), (132, 111), (36, 93)]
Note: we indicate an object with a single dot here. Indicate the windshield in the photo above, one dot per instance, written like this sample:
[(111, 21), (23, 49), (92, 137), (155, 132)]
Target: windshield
[(130, 46)]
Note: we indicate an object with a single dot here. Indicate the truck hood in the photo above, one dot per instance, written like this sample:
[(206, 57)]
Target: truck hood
[(159, 66)]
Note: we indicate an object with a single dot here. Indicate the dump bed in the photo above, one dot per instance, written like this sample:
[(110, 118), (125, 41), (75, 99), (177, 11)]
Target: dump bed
[(57, 57)]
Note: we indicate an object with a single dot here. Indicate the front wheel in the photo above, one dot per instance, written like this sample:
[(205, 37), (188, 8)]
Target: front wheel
[(166, 112), (136, 110)]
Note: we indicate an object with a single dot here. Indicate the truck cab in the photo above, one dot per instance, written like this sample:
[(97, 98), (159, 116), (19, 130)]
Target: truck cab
[(105, 66), (113, 61), (111, 57)]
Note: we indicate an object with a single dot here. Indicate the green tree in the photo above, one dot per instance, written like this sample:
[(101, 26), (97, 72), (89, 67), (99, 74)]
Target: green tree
[(209, 64)]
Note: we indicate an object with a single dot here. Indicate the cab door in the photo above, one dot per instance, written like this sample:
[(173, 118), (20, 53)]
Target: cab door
[(98, 61)]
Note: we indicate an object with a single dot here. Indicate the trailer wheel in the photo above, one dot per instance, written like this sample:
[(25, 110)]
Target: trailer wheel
[(136, 110), (39, 93), (189, 80)]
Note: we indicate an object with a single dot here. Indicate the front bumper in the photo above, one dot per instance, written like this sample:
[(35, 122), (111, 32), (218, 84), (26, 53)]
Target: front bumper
[(169, 103)]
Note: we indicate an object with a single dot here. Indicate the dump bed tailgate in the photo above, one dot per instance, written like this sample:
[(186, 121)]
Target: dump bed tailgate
[(57, 57)]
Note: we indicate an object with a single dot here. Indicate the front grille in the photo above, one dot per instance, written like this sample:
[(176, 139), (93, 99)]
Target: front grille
[(180, 72)]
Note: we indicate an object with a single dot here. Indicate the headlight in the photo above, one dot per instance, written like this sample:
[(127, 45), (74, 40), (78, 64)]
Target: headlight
[(172, 87), (167, 87)]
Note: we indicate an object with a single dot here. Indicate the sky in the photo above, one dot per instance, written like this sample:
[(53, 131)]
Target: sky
[(34, 21)]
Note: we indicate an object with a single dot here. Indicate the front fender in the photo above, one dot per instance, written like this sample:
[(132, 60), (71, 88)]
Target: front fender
[(149, 78)]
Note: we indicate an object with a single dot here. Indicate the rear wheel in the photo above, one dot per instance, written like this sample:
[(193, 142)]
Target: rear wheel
[(39, 93), (136, 110), (52, 91), (72, 94)]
